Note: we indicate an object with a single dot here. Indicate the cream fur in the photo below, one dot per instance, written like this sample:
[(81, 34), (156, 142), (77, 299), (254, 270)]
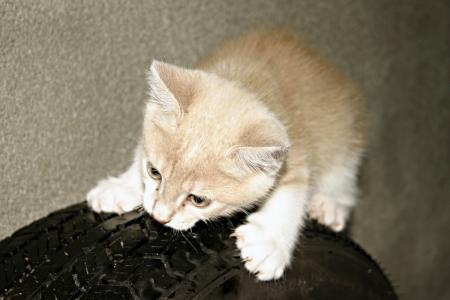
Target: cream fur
[(262, 120)]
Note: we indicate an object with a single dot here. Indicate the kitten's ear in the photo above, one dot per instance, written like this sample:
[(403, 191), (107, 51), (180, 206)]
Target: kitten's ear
[(259, 159), (263, 147), (171, 88)]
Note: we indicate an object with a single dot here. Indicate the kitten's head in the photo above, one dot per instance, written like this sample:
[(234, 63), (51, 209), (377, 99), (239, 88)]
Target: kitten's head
[(210, 148)]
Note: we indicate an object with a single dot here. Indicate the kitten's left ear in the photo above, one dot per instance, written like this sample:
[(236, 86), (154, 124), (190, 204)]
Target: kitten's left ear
[(263, 147), (259, 159), (171, 89)]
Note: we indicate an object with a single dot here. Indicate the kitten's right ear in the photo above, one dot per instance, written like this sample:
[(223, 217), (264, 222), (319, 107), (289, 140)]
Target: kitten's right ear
[(170, 89)]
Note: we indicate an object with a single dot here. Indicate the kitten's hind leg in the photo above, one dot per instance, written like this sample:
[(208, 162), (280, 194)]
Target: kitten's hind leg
[(335, 195), (268, 239)]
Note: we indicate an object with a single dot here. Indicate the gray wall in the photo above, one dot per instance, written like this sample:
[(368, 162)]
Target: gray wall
[(72, 88)]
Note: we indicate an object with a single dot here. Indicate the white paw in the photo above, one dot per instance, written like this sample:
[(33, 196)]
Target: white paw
[(264, 254), (113, 195), (328, 212)]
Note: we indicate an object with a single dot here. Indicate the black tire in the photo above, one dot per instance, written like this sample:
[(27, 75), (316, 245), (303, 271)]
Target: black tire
[(77, 254)]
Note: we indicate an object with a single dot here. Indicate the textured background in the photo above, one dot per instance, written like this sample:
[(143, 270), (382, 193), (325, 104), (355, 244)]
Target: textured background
[(72, 88)]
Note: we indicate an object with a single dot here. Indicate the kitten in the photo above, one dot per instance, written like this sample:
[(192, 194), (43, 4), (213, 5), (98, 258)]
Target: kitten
[(262, 121)]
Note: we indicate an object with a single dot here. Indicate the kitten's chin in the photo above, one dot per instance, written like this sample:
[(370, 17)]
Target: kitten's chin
[(174, 224)]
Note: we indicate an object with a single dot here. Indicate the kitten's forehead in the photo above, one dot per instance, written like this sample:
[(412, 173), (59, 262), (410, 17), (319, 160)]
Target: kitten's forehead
[(193, 151), (205, 134), (197, 157)]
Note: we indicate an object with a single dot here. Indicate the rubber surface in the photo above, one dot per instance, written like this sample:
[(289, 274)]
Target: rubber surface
[(77, 254)]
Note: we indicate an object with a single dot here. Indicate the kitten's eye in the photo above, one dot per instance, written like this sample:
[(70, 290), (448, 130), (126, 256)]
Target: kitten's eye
[(199, 201), (153, 172)]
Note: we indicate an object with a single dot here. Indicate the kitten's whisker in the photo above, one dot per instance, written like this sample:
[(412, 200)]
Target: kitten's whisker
[(189, 242), (243, 210), (174, 232)]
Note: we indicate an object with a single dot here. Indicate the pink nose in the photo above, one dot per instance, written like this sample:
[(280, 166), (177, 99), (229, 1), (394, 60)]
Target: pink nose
[(161, 221)]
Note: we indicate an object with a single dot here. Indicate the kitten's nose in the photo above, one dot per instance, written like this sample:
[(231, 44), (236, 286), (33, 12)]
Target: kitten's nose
[(161, 221)]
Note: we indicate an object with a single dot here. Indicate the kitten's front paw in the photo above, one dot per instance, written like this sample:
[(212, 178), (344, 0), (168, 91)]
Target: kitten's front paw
[(263, 253), (328, 212), (113, 195)]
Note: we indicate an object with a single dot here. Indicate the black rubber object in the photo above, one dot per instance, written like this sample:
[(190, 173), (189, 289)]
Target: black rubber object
[(77, 254)]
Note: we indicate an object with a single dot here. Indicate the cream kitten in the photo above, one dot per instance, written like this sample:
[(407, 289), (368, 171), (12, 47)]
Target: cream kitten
[(216, 141)]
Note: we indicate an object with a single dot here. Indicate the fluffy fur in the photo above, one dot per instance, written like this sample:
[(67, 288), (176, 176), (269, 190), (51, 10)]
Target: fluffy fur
[(262, 120)]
